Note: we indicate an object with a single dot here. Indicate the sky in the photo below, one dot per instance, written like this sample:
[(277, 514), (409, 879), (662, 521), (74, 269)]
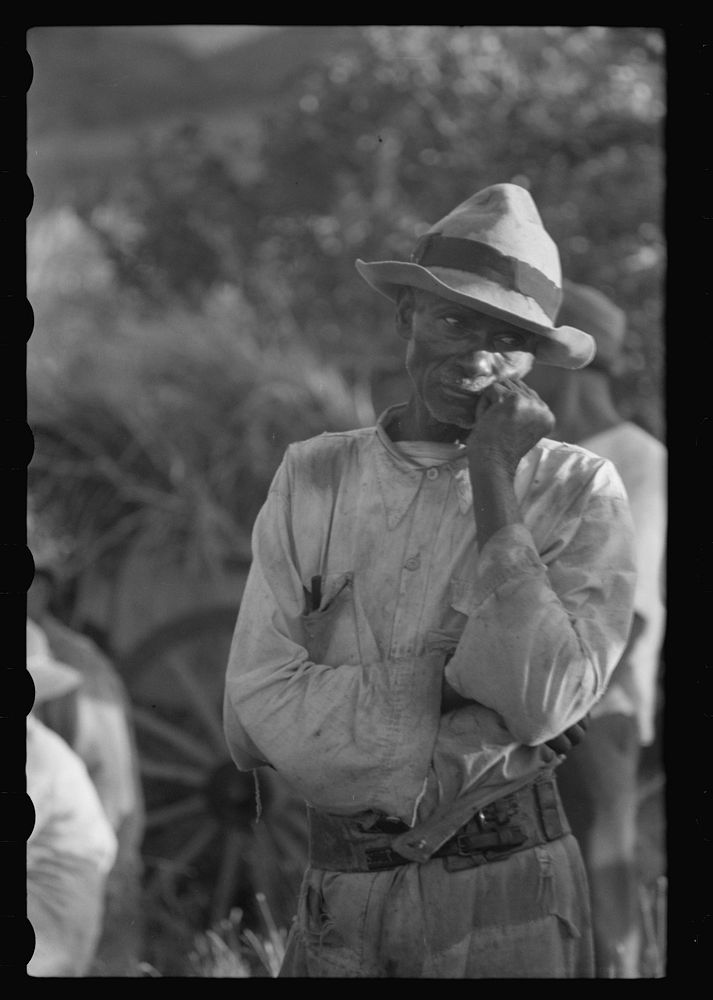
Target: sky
[(205, 38)]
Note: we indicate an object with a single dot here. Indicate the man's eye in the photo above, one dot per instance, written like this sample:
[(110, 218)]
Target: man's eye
[(509, 341), (454, 322)]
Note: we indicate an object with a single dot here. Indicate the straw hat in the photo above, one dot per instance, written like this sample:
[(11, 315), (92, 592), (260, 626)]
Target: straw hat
[(50, 677), (492, 253)]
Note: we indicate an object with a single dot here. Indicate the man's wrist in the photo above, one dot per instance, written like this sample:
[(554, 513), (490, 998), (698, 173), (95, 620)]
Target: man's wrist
[(491, 459)]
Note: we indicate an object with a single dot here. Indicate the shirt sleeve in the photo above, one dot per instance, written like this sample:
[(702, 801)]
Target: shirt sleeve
[(544, 633), (338, 734)]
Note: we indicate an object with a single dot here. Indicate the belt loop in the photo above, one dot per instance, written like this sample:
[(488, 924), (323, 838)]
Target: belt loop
[(547, 797)]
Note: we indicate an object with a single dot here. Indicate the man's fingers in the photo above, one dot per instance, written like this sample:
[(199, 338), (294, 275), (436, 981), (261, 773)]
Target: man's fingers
[(575, 734), (493, 394), (560, 744), (572, 736)]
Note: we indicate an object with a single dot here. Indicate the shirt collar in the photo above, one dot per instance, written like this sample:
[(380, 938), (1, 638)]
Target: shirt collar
[(400, 479)]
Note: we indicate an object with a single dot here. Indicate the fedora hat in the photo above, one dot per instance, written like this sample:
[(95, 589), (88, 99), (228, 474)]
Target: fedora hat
[(591, 310), (50, 677), (493, 254)]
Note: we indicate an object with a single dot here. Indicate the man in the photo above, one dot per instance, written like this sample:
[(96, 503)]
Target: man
[(599, 781), (72, 846), (431, 601)]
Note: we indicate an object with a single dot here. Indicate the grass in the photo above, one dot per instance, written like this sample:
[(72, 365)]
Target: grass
[(231, 950)]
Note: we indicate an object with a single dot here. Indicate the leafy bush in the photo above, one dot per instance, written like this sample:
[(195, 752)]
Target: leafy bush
[(168, 424)]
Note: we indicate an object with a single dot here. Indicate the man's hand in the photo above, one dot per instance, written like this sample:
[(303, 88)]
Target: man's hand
[(510, 419), (563, 743)]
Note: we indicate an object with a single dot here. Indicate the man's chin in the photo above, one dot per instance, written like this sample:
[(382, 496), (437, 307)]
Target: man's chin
[(462, 415)]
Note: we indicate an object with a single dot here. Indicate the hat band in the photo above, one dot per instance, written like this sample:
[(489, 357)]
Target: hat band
[(434, 250)]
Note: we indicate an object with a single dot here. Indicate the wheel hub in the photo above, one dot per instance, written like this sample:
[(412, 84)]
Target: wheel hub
[(231, 797)]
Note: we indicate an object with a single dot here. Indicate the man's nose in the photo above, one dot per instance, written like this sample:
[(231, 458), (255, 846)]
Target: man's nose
[(479, 362)]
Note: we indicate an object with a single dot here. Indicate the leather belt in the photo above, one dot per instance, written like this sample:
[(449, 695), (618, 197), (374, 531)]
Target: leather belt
[(530, 816)]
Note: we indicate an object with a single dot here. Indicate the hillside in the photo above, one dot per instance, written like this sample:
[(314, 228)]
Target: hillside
[(96, 90)]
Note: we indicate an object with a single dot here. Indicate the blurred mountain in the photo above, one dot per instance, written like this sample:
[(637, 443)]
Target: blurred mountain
[(95, 77), (97, 90)]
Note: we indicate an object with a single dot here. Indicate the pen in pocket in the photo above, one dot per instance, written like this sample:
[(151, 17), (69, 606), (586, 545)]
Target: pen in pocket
[(316, 598)]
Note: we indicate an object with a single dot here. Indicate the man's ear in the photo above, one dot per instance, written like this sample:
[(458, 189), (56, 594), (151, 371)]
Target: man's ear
[(404, 312)]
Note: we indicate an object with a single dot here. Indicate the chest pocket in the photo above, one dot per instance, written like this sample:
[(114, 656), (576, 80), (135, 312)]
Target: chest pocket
[(330, 630)]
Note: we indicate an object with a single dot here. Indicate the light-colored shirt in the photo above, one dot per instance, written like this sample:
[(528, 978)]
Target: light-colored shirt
[(641, 461), (69, 853), (344, 699)]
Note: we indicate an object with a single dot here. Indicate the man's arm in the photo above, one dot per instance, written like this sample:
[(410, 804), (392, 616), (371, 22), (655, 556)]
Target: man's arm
[(342, 735), (541, 641)]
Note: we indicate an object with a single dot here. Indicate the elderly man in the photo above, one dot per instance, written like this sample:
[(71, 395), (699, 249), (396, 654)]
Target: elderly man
[(599, 783), (432, 601)]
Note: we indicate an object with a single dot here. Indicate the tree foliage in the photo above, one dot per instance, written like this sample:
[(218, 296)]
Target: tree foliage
[(359, 157), (385, 137)]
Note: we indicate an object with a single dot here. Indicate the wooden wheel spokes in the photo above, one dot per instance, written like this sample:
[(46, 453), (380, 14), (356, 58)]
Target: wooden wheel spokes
[(179, 739), (199, 700), (195, 845), (183, 809), (179, 774)]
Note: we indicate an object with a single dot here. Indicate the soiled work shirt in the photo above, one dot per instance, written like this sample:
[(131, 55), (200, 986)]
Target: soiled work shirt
[(344, 699)]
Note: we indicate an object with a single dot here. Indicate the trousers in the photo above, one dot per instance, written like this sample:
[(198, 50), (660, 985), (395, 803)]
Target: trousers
[(524, 916)]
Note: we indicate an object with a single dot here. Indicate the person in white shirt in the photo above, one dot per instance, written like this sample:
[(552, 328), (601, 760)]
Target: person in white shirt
[(598, 782), (95, 720), (433, 602), (72, 846)]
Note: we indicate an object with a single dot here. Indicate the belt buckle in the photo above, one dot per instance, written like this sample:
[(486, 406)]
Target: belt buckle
[(378, 858), (463, 848), (481, 819)]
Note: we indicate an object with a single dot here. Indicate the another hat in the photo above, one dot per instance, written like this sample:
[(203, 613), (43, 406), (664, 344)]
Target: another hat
[(493, 254), (589, 309), (49, 549), (50, 677)]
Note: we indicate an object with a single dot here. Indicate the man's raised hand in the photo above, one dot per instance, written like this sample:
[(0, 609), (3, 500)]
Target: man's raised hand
[(510, 419)]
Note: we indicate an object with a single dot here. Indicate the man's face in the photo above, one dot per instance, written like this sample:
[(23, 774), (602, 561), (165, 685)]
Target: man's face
[(454, 353)]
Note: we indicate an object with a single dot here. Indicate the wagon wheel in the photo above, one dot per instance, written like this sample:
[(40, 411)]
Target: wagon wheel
[(205, 845)]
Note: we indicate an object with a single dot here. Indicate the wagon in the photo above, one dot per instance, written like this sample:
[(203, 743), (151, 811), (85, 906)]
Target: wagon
[(214, 838)]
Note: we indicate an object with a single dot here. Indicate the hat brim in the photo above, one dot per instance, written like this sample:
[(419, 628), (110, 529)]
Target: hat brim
[(51, 678), (562, 347)]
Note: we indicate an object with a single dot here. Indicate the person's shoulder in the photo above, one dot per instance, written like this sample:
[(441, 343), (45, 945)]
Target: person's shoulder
[(576, 467), (642, 442), (331, 441), (327, 454), (573, 457)]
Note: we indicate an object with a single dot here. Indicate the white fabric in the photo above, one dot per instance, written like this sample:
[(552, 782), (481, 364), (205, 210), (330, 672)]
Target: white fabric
[(641, 461), (69, 852)]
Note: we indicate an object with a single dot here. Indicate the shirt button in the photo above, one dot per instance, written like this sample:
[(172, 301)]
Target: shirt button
[(413, 563), (432, 472)]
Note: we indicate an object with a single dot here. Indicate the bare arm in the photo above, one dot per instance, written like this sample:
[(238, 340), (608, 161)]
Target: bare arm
[(510, 419)]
